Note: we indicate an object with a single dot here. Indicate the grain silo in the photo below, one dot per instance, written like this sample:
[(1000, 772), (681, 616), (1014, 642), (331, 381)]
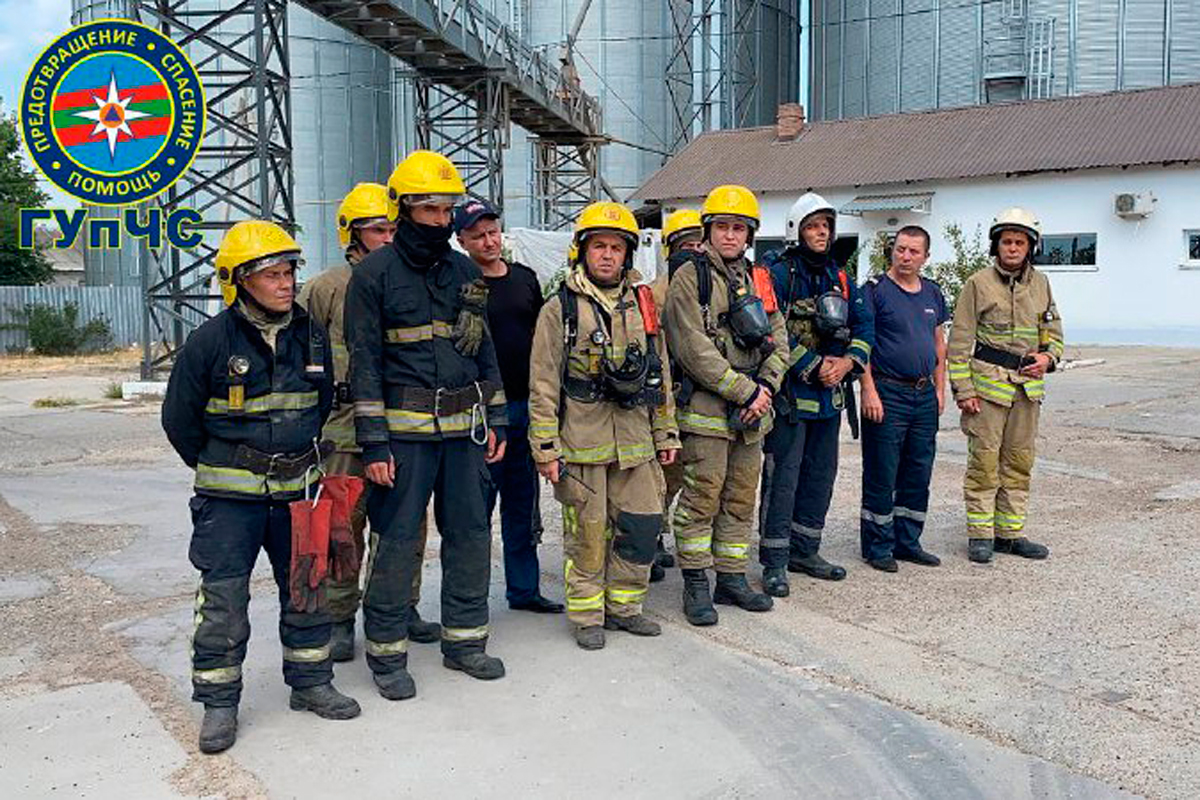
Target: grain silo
[(872, 57)]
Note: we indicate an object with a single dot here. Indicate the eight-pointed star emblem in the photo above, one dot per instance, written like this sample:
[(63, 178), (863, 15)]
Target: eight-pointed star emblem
[(111, 115)]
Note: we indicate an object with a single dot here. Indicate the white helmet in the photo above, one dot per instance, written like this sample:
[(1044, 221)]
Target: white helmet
[(1016, 219), (804, 208)]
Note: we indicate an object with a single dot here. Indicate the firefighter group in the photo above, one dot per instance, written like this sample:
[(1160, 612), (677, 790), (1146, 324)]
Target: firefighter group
[(321, 425)]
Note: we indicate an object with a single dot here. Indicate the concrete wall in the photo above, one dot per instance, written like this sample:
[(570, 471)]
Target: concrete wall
[(1140, 291)]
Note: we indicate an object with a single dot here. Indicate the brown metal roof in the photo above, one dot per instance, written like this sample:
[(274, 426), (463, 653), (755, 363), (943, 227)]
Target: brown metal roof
[(1146, 126)]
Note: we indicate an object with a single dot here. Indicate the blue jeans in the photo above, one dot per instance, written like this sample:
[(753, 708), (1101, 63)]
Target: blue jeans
[(897, 466), (515, 480)]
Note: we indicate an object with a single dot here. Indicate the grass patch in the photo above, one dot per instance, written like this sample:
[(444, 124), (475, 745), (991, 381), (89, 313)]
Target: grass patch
[(113, 391), (56, 402)]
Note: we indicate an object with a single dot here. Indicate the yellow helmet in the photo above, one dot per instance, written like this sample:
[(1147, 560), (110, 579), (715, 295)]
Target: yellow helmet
[(249, 246), (680, 222), (1016, 219), (731, 201), (364, 203), (606, 216), (424, 177)]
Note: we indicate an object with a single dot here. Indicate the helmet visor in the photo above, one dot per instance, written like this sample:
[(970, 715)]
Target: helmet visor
[(750, 221), (291, 258), (432, 199)]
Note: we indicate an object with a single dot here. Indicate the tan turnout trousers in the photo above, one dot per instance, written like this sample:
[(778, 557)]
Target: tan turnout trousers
[(1000, 454), (607, 570), (714, 516)]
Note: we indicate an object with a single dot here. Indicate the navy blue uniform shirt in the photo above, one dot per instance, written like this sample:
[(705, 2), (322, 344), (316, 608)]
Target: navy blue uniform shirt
[(904, 325)]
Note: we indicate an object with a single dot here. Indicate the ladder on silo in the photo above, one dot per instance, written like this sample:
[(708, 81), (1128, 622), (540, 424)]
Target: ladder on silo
[(1039, 38)]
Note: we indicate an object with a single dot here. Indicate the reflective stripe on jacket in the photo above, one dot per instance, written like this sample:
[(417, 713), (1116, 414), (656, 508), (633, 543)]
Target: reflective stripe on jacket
[(1013, 313), (276, 407)]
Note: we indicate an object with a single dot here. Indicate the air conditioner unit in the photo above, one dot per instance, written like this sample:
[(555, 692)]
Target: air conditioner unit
[(1133, 205)]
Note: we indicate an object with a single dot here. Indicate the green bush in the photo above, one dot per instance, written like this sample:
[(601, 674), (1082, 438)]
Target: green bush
[(57, 332)]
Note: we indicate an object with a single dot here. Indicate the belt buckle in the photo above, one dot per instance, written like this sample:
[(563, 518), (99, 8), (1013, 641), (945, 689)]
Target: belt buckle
[(921, 383), (271, 464), (437, 400)]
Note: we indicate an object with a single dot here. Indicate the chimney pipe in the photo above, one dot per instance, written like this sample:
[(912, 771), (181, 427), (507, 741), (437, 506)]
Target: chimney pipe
[(789, 122)]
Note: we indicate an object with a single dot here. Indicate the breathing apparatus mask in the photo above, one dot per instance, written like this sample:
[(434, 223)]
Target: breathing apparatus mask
[(748, 321), (832, 317), (637, 380)]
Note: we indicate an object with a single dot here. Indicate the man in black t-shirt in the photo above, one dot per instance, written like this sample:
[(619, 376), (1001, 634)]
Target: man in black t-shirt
[(514, 300)]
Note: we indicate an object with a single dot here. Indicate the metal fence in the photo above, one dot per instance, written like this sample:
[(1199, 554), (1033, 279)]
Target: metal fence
[(120, 305)]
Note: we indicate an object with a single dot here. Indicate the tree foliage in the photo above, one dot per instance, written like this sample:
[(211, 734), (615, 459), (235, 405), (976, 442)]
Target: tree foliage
[(18, 189), (968, 258)]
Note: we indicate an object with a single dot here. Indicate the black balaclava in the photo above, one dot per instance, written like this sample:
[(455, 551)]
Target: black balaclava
[(425, 244)]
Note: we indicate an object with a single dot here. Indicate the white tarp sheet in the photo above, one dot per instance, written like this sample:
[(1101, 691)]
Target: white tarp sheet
[(545, 252)]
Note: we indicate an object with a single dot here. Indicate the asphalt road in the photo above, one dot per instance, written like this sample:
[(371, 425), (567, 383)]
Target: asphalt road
[(1077, 677)]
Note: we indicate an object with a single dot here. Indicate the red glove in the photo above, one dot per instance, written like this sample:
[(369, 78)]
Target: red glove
[(310, 554), (343, 492)]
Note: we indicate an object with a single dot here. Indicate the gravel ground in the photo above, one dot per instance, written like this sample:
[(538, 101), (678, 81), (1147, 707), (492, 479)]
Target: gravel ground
[(1088, 660)]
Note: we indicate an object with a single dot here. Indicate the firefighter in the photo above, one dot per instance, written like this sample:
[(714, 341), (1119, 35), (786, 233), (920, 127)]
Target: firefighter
[(730, 347), (830, 335), (682, 236), (428, 413), (244, 408), (1006, 335), (602, 422), (362, 226)]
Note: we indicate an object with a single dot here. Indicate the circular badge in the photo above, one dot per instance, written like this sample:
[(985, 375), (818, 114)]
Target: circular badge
[(113, 112)]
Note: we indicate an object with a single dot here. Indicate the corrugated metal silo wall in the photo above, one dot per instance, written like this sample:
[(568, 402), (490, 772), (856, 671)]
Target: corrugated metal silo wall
[(621, 56), (777, 53), (341, 126), (880, 56)]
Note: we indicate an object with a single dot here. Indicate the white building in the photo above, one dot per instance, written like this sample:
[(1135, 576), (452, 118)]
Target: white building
[(1114, 179)]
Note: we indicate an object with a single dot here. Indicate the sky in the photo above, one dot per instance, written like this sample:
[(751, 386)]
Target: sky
[(26, 27)]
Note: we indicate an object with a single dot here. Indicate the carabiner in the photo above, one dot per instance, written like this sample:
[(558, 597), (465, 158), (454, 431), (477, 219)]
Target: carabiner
[(479, 420)]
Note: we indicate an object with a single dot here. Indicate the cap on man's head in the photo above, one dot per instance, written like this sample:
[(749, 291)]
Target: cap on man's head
[(471, 212)]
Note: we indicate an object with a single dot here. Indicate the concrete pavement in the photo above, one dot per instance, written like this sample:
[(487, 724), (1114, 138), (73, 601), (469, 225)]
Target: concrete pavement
[(1064, 679)]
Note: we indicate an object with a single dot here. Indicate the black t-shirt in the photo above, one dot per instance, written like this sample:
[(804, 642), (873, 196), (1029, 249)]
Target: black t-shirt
[(514, 301)]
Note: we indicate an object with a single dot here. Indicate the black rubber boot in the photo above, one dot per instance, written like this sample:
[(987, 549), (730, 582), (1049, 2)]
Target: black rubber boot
[(885, 564), (734, 590), (697, 602), (421, 631), (638, 625), (657, 573), (979, 550), (919, 556), (662, 558), (1022, 547), (816, 567), (325, 701), (775, 582), (478, 665), (218, 731), (396, 685), (341, 641), (590, 637)]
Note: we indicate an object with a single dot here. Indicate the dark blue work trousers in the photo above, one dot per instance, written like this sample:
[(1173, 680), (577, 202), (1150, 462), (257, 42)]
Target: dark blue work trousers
[(515, 481), (898, 458), (798, 473)]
